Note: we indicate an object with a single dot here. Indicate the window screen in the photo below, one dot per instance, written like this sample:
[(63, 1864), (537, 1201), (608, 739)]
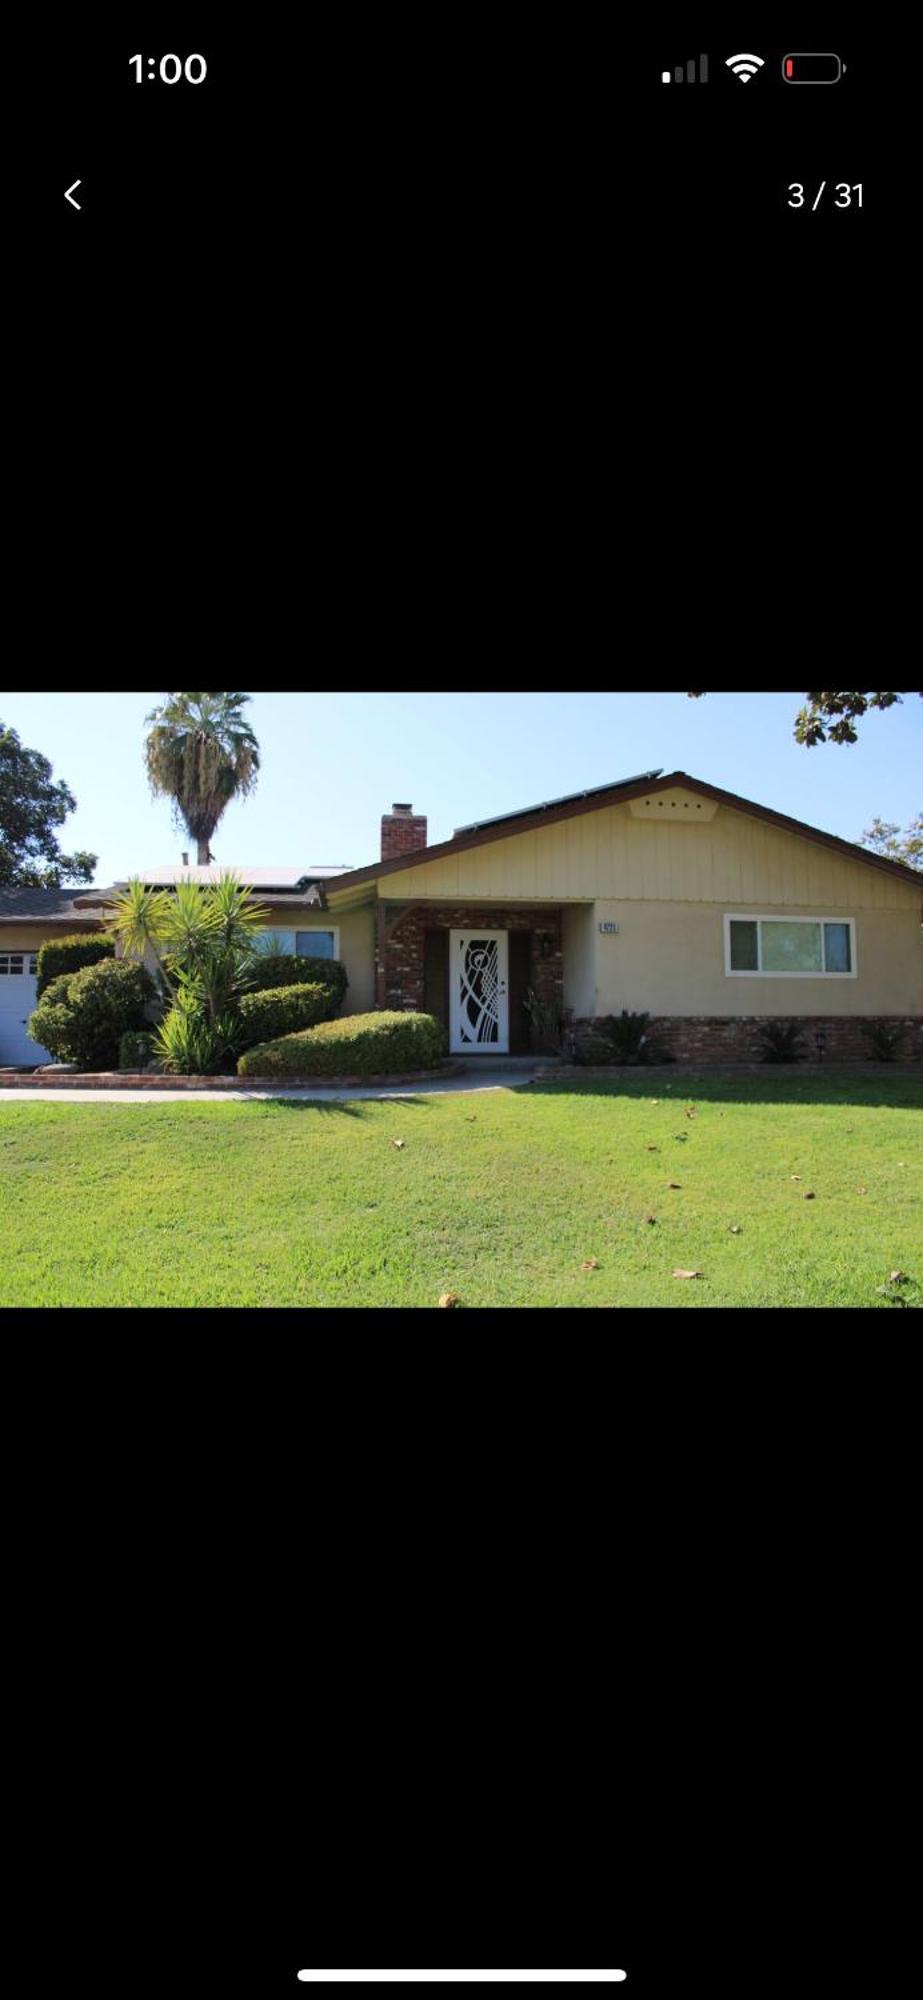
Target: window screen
[(744, 948), (836, 948), (314, 944)]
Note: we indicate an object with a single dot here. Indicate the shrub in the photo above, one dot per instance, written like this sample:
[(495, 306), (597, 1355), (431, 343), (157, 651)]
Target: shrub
[(189, 1043), (884, 1039), (134, 1050), (280, 968), (782, 1042), (283, 1011), (627, 1035), (548, 1023), (82, 1016), (361, 1044), (70, 954)]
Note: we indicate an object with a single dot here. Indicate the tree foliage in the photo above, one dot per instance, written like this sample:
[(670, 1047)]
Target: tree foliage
[(201, 753), (832, 717), (886, 838), (32, 806)]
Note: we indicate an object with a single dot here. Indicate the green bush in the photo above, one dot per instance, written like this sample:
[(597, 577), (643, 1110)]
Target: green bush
[(283, 1011), (70, 954), (627, 1035), (189, 1042), (134, 1050), (360, 1045), (781, 1042), (884, 1038), (280, 968), (82, 1016)]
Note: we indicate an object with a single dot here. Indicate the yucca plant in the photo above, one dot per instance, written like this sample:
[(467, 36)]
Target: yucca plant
[(884, 1039), (187, 1043), (781, 1042), (205, 943), (628, 1036)]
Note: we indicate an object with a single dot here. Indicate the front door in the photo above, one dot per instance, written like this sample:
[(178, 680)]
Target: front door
[(478, 992)]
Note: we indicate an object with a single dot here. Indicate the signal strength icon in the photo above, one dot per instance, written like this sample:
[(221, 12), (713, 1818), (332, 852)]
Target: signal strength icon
[(687, 73), (744, 66)]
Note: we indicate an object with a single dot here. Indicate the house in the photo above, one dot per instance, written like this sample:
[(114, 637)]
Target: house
[(660, 894), (27, 918)]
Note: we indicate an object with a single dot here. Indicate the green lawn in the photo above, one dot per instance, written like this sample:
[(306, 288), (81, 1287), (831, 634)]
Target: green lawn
[(500, 1198)]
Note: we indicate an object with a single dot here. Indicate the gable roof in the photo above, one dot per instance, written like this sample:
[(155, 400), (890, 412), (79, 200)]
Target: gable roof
[(557, 810), (42, 906)]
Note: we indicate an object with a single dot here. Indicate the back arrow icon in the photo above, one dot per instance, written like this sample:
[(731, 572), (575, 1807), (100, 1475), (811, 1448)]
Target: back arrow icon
[(68, 194)]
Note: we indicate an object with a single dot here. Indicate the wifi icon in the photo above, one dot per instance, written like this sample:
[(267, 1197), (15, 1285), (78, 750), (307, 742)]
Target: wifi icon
[(745, 66)]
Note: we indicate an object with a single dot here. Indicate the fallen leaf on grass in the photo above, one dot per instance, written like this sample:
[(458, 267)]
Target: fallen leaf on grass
[(796, 1177), (687, 1274), (734, 1228), (398, 1145), (862, 1190), (809, 1195), (691, 1113), (898, 1278), (653, 1149), (590, 1264), (450, 1299), (650, 1217), (681, 1137), (471, 1121), (674, 1184)]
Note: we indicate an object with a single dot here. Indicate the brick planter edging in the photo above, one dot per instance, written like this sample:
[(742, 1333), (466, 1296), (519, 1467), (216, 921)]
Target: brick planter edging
[(661, 1073), (121, 1080), (713, 1039)]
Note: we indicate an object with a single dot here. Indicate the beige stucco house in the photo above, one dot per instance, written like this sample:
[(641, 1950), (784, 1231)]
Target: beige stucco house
[(661, 894)]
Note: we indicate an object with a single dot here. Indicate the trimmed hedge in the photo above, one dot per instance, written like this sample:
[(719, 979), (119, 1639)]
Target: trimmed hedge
[(280, 968), (359, 1045), (134, 1050), (82, 1016), (58, 956), (283, 1011)]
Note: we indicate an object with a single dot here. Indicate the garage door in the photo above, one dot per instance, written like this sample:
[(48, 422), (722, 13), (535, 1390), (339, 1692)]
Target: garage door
[(18, 981)]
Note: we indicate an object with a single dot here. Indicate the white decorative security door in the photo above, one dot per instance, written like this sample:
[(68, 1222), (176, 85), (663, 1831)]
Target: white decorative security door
[(480, 1001)]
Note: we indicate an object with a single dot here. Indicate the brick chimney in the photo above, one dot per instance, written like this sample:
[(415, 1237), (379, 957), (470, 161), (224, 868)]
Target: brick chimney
[(402, 832)]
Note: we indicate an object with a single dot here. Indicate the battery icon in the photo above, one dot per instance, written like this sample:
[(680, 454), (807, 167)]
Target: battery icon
[(812, 69)]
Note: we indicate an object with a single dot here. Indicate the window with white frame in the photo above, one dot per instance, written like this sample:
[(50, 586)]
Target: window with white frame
[(11, 963), (790, 947)]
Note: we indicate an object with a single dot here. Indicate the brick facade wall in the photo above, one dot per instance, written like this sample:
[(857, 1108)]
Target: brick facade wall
[(404, 948), (720, 1039)]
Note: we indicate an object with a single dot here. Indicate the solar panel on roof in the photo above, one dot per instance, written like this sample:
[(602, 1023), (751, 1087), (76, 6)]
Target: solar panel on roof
[(546, 805)]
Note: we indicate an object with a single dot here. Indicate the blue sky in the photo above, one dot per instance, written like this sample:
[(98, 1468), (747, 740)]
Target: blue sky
[(332, 763)]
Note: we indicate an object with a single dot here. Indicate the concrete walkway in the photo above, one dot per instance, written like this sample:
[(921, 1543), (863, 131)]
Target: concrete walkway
[(470, 1083)]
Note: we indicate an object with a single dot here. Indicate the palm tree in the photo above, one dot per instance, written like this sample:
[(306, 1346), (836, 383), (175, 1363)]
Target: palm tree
[(201, 753)]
